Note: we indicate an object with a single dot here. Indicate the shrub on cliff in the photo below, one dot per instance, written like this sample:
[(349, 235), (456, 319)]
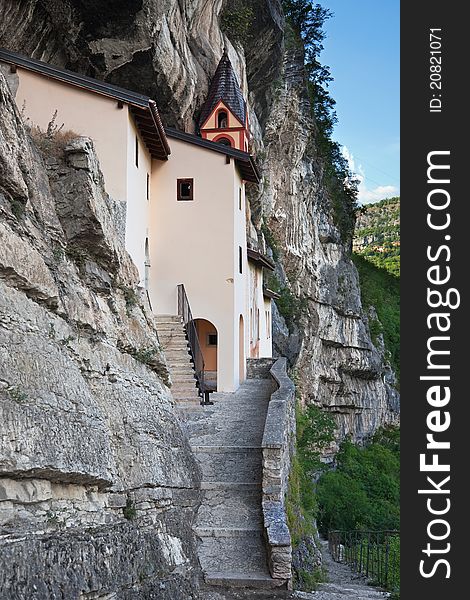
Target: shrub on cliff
[(307, 20)]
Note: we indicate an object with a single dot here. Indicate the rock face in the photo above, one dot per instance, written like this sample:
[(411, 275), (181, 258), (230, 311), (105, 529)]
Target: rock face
[(97, 480), (170, 50), (102, 472)]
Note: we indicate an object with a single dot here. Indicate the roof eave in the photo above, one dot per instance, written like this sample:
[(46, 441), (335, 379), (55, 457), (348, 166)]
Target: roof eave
[(244, 161)]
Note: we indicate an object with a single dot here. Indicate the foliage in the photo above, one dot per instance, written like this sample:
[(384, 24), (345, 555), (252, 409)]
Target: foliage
[(53, 140), (129, 511), (270, 240), (363, 492), (315, 431), (289, 306), (236, 20), (381, 290), (76, 254), (377, 235), (145, 355), (17, 395), (131, 298), (17, 208), (376, 556), (307, 20)]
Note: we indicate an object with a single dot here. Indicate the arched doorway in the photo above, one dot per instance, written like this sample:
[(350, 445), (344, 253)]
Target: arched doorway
[(241, 349), (208, 340)]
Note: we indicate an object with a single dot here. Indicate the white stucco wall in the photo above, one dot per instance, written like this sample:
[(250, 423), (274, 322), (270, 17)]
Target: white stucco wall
[(266, 341), (138, 207), (113, 131), (85, 113), (196, 243), (259, 332)]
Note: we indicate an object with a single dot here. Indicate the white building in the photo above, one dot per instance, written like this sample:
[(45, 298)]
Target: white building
[(183, 197)]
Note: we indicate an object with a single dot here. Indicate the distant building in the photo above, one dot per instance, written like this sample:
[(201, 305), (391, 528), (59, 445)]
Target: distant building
[(182, 197)]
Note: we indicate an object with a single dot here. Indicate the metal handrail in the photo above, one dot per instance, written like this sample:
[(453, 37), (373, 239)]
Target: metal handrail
[(370, 553), (184, 311)]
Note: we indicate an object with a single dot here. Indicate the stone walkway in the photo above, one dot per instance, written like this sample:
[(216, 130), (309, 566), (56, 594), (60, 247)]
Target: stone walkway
[(226, 439), (343, 583)]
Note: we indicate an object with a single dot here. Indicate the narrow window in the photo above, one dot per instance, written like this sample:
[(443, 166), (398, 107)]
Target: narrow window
[(251, 325), (212, 339), (240, 259), (136, 151), (185, 189), (257, 325), (222, 119), (148, 186), (239, 198)]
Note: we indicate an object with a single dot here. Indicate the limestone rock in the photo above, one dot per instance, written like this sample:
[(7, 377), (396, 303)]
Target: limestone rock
[(93, 461)]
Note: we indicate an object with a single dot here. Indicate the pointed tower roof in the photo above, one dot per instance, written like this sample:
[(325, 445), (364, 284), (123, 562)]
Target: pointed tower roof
[(225, 87)]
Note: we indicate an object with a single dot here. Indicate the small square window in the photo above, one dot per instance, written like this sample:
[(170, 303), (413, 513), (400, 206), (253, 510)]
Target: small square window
[(212, 339), (185, 189)]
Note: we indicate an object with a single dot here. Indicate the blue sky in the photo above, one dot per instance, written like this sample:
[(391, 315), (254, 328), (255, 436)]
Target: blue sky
[(362, 49)]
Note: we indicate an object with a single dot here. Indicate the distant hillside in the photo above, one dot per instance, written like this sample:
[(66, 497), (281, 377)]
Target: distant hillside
[(377, 234)]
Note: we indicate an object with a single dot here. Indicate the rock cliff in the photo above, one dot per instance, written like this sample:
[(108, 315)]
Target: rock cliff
[(112, 487), (94, 468), (170, 50)]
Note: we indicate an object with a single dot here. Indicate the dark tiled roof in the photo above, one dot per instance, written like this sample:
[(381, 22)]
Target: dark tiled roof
[(142, 107), (244, 161), (260, 259), (225, 87)]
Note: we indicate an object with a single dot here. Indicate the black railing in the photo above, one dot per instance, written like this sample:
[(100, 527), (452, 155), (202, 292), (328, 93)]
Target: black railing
[(184, 311), (375, 554)]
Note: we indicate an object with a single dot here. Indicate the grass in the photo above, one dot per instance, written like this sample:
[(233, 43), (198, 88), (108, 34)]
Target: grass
[(54, 139)]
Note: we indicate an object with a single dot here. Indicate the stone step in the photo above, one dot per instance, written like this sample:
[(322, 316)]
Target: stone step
[(233, 464), (177, 352), (230, 507), (179, 379), (242, 580), (228, 532), (229, 485), (166, 329), (180, 373), (242, 554), (183, 386), (180, 358), (175, 346), (171, 336), (171, 318), (192, 396)]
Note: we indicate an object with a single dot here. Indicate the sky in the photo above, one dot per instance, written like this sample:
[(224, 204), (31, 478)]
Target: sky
[(362, 48)]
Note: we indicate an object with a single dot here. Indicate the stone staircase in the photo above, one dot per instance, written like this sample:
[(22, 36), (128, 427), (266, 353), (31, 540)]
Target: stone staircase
[(172, 337), (226, 439)]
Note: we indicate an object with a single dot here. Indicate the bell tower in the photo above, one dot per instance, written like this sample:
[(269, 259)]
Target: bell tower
[(224, 115)]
